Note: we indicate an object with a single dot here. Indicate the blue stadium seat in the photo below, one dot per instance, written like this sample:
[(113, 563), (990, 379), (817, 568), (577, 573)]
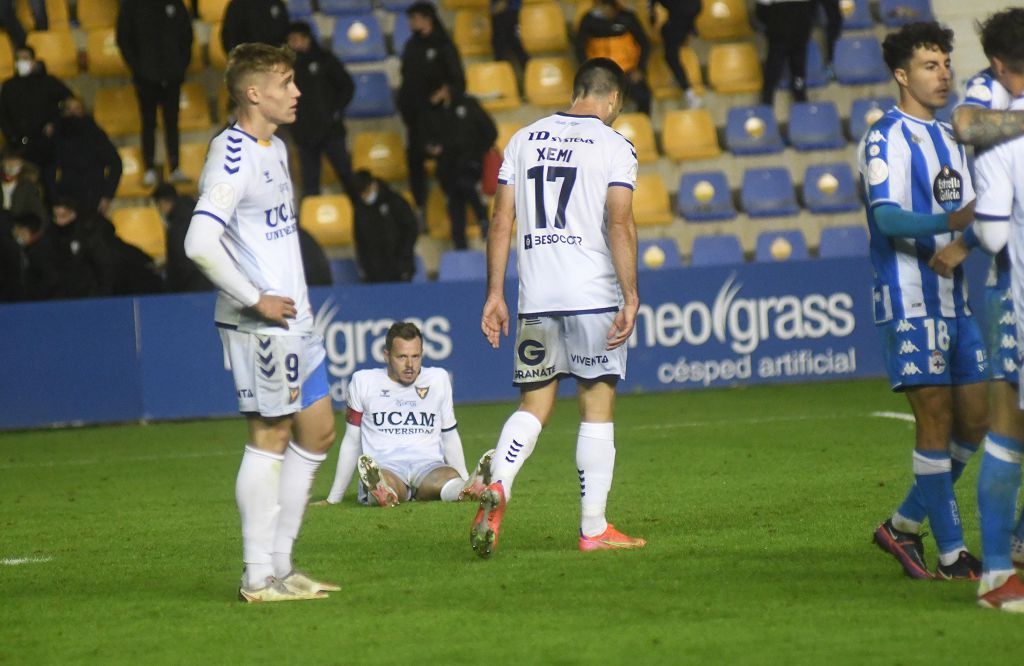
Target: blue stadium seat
[(342, 7), (817, 75), (401, 32), (859, 17), (397, 5), (945, 114), (815, 126), (752, 130), (858, 61), (896, 13), (369, 49), (716, 250), (668, 248), (864, 109), (780, 246), (768, 192), (372, 98), (705, 196), (345, 271), (843, 242), (420, 273), (462, 265), (830, 188), (301, 10)]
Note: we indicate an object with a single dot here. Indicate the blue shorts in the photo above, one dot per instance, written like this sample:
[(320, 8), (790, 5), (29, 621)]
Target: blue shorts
[(1001, 334), (929, 351)]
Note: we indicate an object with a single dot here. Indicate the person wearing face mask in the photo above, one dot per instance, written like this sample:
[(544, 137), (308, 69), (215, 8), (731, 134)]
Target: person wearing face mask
[(609, 30), (19, 184), (385, 231), (37, 261), (88, 165)]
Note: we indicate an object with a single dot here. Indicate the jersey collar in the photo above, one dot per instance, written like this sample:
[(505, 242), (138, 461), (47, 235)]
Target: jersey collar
[(241, 131), (573, 115), (920, 121)]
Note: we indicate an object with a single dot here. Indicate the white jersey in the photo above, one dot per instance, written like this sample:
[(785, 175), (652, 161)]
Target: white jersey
[(245, 185), (400, 423), (561, 168)]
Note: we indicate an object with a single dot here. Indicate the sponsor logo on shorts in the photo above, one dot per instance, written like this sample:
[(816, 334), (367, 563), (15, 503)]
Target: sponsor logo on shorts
[(908, 347), (531, 352), (1008, 342), (579, 359), (1008, 318), (904, 325), (936, 363), (910, 369), (293, 393), (1009, 365)]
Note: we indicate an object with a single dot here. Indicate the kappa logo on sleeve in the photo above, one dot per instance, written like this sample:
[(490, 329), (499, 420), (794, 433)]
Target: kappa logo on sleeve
[(876, 137)]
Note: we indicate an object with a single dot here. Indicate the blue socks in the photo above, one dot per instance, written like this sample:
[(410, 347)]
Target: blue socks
[(913, 508), (933, 480), (998, 483)]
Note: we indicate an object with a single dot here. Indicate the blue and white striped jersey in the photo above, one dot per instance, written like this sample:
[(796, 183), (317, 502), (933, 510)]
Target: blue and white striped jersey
[(918, 166)]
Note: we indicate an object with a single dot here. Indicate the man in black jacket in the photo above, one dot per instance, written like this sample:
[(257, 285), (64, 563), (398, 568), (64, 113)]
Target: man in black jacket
[(610, 30), (385, 230), (88, 165), (155, 38), (682, 16), (458, 132), (176, 211), (429, 56), (37, 261), (319, 126), (262, 21)]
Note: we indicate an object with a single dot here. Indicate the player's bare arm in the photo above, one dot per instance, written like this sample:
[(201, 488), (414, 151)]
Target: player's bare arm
[(983, 128), (275, 309), (494, 321), (962, 218), (945, 261), (622, 241)]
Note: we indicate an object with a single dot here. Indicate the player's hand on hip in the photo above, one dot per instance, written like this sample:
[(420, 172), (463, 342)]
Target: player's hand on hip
[(945, 261), (494, 321), (275, 309), (622, 326), (960, 219)]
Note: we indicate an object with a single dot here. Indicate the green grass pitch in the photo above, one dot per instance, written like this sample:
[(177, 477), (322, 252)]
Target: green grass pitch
[(758, 505)]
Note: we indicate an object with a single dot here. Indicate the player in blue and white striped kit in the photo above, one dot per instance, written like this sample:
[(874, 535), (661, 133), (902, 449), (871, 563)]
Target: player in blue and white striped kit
[(919, 197)]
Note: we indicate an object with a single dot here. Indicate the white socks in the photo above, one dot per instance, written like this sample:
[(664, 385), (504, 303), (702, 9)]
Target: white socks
[(515, 444), (297, 472), (256, 491), (450, 491), (595, 462)]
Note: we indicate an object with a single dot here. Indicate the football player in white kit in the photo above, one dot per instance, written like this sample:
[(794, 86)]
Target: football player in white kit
[(243, 236), (402, 419), (568, 180)]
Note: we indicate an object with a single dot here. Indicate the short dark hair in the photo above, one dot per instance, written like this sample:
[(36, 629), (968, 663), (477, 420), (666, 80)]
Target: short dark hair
[(422, 9), (401, 329), (300, 28), (1002, 36), (25, 47), (30, 221), (898, 47), (361, 180), (598, 76)]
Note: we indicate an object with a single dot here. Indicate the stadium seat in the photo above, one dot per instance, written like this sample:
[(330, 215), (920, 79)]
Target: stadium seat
[(191, 157), (438, 223), (197, 63), (143, 228), (689, 135), (102, 55), (301, 10), (459, 265), (381, 153), (6, 60), (225, 105), (716, 250), (856, 15), (358, 38), (780, 246), (650, 201), (945, 114), (843, 242), (734, 68), (506, 128), (657, 253), (816, 75), (372, 98), (345, 270), (768, 192), (130, 185), (472, 32), (637, 128), (752, 130), (548, 81), (896, 13), (463, 4), (193, 108), (328, 219), (342, 7), (830, 188), (493, 84), (57, 16), (57, 49), (117, 110), (94, 14), (543, 28), (396, 5), (212, 11), (723, 19), (663, 84), (815, 126), (704, 196), (858, 61), (865, 111), (400, 32), (218, 59)]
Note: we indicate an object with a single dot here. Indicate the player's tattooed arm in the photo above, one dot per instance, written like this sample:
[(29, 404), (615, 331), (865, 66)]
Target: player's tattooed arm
[(983, 128)]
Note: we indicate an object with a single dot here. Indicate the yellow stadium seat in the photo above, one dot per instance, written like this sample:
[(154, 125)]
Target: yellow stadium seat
[(328, 219), (439, 227), (723, 19), (660, 78), (196, 64), (102, 54), (637, 128), (117, 110), (132, 171), (689, 135), (472, 32), (505, 131), (650, 201), (543, 28), (57, 49), (225, 106), (638, 8), (464, 4), (218, 59), (212, 11), (734, 68), (6, 60), (143, 228), (193, 108), (56, 14), (191, 157), (93, 14), (381, 153), (493, 84), (549, 81)]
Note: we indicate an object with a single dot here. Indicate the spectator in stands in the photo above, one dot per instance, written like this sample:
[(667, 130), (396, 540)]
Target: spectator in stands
[(319, 127), (176, 211), (10, 22), (429, 56), (609, 30), (263, 21), (682, 15), (385, 231), (457, 132), (37, 262), (787, 25), (22, 192), (29, 110), (155, 38), (505, 40), (10, 261), (833, 28), (314, 262), (88, 165)]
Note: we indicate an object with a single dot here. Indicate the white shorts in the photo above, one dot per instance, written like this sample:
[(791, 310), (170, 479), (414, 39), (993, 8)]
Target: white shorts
[(573, 344), (408, 472), (276, 375)]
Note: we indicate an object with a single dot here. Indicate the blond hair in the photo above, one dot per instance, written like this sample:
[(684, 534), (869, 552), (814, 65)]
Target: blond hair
[(247, 59)]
